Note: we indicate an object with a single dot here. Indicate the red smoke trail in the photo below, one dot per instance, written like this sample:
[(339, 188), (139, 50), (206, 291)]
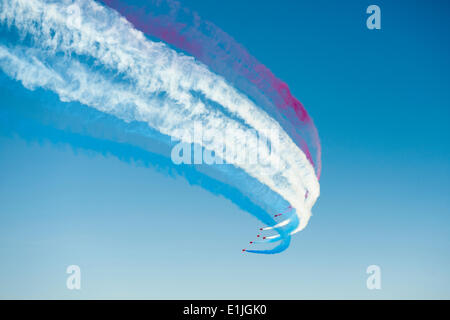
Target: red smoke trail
[(225, 56)]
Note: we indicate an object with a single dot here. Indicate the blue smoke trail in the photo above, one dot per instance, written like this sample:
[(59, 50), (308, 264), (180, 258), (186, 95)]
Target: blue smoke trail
[(101, 85), (40, 116)]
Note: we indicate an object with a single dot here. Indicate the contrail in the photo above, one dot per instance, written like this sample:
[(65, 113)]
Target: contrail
[(88, 53), (169, 21)]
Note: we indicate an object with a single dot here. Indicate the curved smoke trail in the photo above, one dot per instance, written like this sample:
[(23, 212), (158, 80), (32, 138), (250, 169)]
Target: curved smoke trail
[(87, 53), (169, 21)]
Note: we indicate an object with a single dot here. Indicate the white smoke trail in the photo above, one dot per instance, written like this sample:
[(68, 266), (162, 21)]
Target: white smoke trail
[(83, 28)]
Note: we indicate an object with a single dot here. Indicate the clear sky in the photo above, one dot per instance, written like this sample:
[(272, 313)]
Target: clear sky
[(381, 102)]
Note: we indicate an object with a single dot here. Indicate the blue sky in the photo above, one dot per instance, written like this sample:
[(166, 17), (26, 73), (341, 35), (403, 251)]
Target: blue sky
[(380, 100)]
